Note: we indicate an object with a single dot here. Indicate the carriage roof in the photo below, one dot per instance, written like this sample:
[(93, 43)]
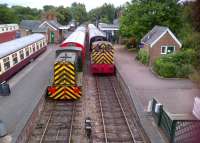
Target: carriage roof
[(17, 44), (76, 39), (95, 32)]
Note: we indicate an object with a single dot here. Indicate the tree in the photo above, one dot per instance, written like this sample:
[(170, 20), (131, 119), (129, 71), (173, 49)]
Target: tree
[(196, 15), (7, 15), (78, 12), (105, 13), (140, 16), (63, 15)]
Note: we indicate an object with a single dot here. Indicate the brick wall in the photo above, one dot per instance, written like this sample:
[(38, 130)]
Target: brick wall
[(166, 40)]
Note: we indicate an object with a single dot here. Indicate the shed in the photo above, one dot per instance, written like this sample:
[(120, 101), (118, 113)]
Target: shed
[(160, 41)]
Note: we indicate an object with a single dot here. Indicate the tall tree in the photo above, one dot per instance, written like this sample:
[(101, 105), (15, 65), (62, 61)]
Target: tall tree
[(63, 14), (105, 13), (78, 12), (7, 15), (142, 15), (196, 15)]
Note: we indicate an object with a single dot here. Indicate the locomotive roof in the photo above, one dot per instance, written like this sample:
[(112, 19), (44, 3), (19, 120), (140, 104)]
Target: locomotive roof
[(17, 44), (95, 32), (66, 56), (77, 37)]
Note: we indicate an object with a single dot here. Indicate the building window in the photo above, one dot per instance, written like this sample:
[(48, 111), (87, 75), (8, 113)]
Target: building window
[(14, 57), (27, 52), (6, 63), (167, 49), (21, 53)]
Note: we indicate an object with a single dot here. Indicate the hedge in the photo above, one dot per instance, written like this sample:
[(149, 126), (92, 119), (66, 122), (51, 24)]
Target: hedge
[(143, 56), (178, 65)]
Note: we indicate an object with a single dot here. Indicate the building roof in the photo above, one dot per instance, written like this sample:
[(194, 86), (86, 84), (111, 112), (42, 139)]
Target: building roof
[(38, 26), (155, 34), (33, 25), (109, 27), (17, 44), (53, 24)]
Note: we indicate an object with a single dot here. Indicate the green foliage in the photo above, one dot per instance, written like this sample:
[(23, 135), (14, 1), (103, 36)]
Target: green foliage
[(7, 15), (63, 15), (143, 56), (78, 12), (105, 13), (176, 65), (140, 16)]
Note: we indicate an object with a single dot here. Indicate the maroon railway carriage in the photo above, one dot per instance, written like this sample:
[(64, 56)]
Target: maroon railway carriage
[(17, 53), (8, 32)]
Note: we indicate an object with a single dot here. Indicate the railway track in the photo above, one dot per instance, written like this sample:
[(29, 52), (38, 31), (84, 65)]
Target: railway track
[(55, 124), (118, 124)]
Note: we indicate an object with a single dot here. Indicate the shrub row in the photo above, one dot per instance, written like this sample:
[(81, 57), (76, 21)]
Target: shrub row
[(143, 56), (178, 65)]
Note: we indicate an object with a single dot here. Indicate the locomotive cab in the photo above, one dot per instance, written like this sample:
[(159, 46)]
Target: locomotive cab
[(67, 77)]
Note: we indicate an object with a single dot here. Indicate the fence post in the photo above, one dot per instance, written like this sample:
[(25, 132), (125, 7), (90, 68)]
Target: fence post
[(173, 131), (160, 115)]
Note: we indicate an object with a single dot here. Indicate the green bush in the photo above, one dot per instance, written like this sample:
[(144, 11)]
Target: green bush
[(184, 71), (143, 56), (175, 65)]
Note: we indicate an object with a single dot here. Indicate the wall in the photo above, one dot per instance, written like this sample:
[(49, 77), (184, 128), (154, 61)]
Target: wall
[(166, 40)]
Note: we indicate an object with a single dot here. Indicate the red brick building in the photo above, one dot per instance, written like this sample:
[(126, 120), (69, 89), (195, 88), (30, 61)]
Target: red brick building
[(50, 28), (8, 32), (160, 41)]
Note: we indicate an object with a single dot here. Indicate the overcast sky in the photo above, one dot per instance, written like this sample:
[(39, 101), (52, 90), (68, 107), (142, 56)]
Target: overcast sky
[(90, 4)]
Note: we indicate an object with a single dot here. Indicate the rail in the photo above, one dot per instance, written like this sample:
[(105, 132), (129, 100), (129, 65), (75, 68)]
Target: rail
[(101, 108), (124, 114)]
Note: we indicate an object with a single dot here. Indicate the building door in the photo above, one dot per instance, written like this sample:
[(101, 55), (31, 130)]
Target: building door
[(52, 37)]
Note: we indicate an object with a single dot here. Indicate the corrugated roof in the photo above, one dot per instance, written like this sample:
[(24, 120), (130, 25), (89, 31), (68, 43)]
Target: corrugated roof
[(17, 44), (154, 34)]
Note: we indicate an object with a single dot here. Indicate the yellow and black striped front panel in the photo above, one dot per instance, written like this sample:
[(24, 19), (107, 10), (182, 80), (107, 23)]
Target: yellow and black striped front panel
[(102, 57), (64, 92), (64, 73)]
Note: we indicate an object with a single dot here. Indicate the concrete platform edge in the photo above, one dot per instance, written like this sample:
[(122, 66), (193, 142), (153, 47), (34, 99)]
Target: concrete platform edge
[(24, 128), (147, 125)]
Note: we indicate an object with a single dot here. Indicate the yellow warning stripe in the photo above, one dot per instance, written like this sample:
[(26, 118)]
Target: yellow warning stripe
[(64, 93)]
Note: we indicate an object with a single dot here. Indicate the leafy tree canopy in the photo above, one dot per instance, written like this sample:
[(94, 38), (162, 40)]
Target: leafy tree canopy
[(140, 16), (78, 12), (105, 13)]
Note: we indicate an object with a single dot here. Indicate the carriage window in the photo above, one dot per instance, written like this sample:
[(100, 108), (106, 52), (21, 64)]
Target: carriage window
[(40, 45), (33, 49), (14, 57), (6, 63), (21, 53), (27, 51), (37, 45)]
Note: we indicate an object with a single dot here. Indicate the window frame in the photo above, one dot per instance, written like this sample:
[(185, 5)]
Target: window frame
[(8, 61), (166, 49), (15, 58)]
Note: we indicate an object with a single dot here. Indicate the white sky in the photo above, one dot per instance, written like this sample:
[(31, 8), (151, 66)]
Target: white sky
[(90, 4)]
